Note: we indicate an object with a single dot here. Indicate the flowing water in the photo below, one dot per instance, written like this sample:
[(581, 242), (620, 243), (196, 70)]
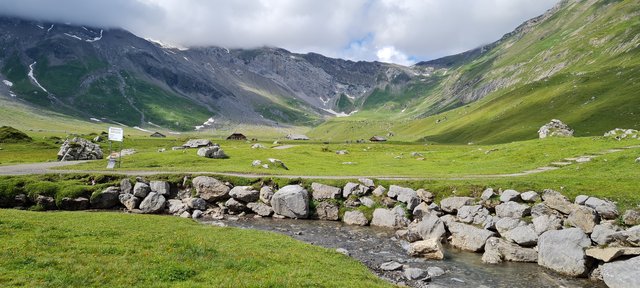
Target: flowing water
[(373, 246)]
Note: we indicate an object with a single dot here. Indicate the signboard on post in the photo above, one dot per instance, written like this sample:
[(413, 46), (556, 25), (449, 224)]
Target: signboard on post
[(116, 134)]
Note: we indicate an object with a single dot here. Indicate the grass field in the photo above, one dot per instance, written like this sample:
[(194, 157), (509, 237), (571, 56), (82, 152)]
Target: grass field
[(89, 249)]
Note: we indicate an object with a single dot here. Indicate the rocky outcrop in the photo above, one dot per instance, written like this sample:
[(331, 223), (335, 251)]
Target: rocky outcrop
[(555, 128), (291, 201), (79, 149)]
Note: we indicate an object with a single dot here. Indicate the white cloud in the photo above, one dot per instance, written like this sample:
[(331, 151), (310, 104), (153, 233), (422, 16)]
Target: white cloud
[(398, 30)]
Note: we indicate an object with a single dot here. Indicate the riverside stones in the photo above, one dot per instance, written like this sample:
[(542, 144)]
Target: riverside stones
[(235, 206), (177, 207), (125, 186), (604, 233), (129, 201), (487, 194), (467, 237), (513, 210), (245, 194), (106, 199), (291, 201), (266, 193), (390, 266), (425, 196), (79, 149), (504, 225), (261, 209), (530, 196), (557, 201), (366, 182), (74, 204), (610, 253), (141, 189), (452, 204), (379, 191), (555, 128), (327, 211), (428, 249), (563, 251), (496, 250), (546, 223), (389, 218), (509, 195), (321, 191), (160, 187), (415, 273), (522, 235), (210, 189), (405, 195), (196, 203), (631, 217), (355, 189), (153, 203), (473, 214), (355, 218), (583, 217), (622, 274), (368, 202), (606, 209), (431, 227)]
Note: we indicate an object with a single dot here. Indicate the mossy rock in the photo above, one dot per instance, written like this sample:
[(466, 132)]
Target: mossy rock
[(11, 135)]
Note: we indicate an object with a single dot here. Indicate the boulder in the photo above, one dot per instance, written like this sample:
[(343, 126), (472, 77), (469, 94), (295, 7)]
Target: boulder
[(160, 187), (177, 207), (522, 235), (580, 199), (622, 274), (487, 194), (355, 189), (610, 253), (153, 203), (257, 146), (367, 182), (509, 195), (79, 149), (129, 201), (390, 266), (555, 128), (355, 218), (541, 209), (277, 163), (606, 209), (74, 204), (393, 218), (366, 201), (197, 214), (210, 189), (106, 199), (530, 196), (197, 143), (185, 214), (196, 203), (379, 191), (429, 249), (245, 194), (327, 211), (261, 209), (266, 193), (291, 201), (421, 210), (496, 250), (631, 217), (563, 251), (141, 189), (213, 152), (467, 237), (415, 273), (475, 214), (410, 234), (546, 223), (321, 191), (125, 186), (435, 271), (452, 204), (583, 217), (604, 233), (235, 206), (513, 210), (504, 225), (431, 227), (425, 196), (46, 202), (557, 201), (405, 195)]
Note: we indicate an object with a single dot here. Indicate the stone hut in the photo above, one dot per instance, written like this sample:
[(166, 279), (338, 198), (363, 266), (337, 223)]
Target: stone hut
[(237, 136), (157, 135)]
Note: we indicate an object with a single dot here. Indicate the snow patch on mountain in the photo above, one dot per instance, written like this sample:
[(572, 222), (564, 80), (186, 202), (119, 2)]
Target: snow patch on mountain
[(341, 114), (33, 77), (8, 83), (73, 36), (96, 38)]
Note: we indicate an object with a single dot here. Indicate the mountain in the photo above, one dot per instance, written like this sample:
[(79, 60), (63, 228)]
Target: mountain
[(579, 62), (113, 75)]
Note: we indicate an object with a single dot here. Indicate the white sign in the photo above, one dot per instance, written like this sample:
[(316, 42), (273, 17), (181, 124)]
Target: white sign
[(116, 134)]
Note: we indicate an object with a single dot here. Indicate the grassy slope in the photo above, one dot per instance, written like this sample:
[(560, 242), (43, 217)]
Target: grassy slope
[(598, 48), (80, 249)]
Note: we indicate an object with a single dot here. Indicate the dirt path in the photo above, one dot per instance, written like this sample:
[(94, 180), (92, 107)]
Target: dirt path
[(46, 168)]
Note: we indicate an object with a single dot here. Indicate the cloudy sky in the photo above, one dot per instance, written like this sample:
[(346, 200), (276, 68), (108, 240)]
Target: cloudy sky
[(399, 31)]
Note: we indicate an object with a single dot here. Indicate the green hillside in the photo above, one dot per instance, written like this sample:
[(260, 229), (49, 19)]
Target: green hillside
[(579, 64)]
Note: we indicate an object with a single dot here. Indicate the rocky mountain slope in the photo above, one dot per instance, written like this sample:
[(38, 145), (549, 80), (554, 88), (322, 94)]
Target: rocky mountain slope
[(579, 62), (113, 75)]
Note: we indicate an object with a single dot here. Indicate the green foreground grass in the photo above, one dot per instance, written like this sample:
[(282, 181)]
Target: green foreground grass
[(89, 249)]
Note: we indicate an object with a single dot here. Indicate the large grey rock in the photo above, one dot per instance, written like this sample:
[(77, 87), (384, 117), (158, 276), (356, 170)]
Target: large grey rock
[(555, 128), (405, 195), (160, 187), (429, 249), (604, 233), (153, 203), (475, 214), (390, 266), (379, 191), (366, 182), (129, 201), (513, 210), (546, 223), (141, 190), (557, 201), (291, 201), (452, 204), (487, 194), (622, 274), (608, 254), (530, 196), (563, 251), (425, 196), (177, 207), (235, 206), (389, 218), (606, 209), (415, 273), (435, 271), (321, 191), (261, 209), (523, 236), (355, 218), (245, 194), (367, 201), (468, 237), (74, 204), (106, 199), (631, 217), (79, 149), (541, 209), (197, 214), (504, 225), (196, 203), (509, 195), (355, 189), (125, 186), (496, 250), (421, 210), (214, 152), (581, 199), (266, 193), (431, 227), (210, 189), (583, 217), (197, 143), (327, 211)]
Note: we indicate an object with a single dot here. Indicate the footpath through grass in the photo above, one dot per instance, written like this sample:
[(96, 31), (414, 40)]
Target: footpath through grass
[(90, 249)]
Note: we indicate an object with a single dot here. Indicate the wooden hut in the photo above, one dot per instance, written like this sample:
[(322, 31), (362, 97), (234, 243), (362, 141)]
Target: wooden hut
[(158, 135), (378, 139), (237, 136)]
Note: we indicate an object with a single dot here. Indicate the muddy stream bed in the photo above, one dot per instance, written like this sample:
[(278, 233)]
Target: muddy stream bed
[(373, 246)]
